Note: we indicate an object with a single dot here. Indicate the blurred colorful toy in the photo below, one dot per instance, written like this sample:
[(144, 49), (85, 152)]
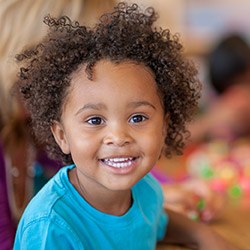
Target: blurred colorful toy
[(226, 167)]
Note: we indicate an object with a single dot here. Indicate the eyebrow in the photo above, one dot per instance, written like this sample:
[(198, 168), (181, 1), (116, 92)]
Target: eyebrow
[(136, 104), (91, 106), (100, 106)]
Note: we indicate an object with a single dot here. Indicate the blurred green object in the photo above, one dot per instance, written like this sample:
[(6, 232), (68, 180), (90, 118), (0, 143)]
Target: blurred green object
[(207, 172), (235, 191), (201, 204)]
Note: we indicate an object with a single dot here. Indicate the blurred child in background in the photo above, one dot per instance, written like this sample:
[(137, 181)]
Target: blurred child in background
[(228, 115)]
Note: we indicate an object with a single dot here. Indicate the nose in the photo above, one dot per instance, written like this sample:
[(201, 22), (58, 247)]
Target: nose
[(118, 135)]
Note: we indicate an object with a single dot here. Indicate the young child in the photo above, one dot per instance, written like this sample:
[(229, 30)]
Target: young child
[(107, 101)]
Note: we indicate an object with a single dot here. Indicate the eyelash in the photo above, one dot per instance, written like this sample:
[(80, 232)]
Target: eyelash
[(142, 118), (92, 120)]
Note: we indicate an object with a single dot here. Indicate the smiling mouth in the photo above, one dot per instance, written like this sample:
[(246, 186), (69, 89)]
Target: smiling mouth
[(119, 162)]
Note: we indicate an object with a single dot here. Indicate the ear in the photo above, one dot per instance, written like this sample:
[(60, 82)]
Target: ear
[(60, 136), (165, 127), (164, 133)]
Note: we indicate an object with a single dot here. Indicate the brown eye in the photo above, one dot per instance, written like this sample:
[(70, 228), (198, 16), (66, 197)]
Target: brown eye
[(137, 118), (95, 121)]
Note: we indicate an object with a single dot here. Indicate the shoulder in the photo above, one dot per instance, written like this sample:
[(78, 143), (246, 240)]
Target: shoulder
[(45, 216), (149, 189), (48, 232), (48, 200), (149, 183)]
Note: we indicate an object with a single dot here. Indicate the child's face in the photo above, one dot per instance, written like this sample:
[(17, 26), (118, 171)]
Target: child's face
[(113, 126)]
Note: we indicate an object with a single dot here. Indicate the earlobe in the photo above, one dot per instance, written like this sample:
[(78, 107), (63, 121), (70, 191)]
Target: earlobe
[(60, 137)]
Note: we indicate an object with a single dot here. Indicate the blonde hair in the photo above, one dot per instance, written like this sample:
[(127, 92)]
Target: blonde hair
[(21, 26), (2, 108)]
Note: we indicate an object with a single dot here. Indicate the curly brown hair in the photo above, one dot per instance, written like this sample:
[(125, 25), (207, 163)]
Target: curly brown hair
[(125, 34)]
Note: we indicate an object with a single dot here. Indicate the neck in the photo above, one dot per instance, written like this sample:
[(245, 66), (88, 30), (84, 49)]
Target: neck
[(107, 201)]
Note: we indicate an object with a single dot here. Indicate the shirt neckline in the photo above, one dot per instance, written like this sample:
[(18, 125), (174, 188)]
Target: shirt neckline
[(100, 217)]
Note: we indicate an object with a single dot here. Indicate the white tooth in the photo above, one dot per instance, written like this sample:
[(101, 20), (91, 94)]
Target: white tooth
[(119, 162), (119, 165), (117, 159)]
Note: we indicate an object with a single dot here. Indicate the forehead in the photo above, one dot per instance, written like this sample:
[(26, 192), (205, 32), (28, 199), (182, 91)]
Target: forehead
[(124, 79), (105, 69)]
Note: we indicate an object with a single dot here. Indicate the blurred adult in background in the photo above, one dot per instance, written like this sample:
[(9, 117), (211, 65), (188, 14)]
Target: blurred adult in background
[(2, 108), (228, 115), (7, 227), (226, 119), (24, 167), (21, 24)]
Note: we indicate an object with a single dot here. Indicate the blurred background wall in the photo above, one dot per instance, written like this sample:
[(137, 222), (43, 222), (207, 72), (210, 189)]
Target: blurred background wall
[(202, 22), (200, 25)]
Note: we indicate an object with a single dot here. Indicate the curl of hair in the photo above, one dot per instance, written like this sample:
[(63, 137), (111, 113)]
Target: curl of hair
[(127, 34)]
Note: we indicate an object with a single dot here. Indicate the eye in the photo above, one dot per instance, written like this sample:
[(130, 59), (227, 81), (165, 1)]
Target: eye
[(137, 118), (95, 121)]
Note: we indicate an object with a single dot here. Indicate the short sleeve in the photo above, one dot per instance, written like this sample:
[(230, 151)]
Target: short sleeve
[(156, 200), (162, 225), (44, 234), (162, 217)]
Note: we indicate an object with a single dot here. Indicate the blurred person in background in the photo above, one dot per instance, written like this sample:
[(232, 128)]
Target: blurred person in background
[(7, 228), (2, 108), (226, 119), (228, 115), (24, 167)]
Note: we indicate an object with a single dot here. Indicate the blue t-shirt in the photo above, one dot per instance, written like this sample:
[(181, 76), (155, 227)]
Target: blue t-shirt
[(59, 218)]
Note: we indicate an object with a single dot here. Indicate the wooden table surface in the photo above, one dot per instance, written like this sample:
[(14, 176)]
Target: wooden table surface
[(233, 224)]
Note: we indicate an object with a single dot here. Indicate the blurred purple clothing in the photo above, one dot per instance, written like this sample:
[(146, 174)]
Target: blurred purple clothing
[(7, 228), (7, 225), (160, 176)]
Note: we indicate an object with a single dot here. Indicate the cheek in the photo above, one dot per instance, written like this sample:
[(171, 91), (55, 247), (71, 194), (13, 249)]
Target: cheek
[(83, 148), (153, 141)]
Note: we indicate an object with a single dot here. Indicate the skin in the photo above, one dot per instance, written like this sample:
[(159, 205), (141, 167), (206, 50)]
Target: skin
[(116, 117)]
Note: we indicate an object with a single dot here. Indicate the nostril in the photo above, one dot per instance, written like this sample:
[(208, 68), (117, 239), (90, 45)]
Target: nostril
[(118, 134), (117, 141)]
